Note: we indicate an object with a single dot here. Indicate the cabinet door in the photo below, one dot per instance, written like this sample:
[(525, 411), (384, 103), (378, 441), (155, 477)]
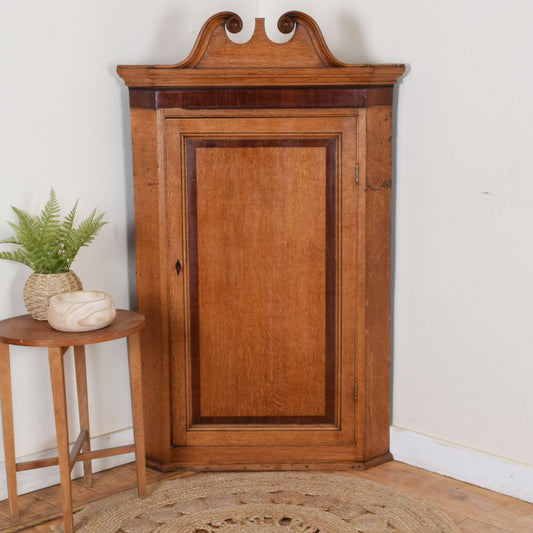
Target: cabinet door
[(262, 274)]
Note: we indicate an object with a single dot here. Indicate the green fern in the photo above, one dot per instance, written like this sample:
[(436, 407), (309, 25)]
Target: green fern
[(47, 244)]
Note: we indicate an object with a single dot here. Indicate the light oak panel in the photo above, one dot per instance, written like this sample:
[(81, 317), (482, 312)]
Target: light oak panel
[(262, 287)]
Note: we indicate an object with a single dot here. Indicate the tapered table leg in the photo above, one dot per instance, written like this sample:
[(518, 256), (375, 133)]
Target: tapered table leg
[(57, 374), (134, 356), (83, 409), (7, 427)]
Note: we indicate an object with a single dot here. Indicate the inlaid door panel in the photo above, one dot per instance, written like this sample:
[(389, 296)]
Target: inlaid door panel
[(256, 222)]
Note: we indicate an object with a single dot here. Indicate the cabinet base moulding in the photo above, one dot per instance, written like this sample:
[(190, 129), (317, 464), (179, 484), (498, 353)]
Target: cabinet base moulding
[(197, 462)]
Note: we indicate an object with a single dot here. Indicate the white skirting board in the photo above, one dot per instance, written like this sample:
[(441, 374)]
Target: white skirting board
[(472, 466), (40, 478)]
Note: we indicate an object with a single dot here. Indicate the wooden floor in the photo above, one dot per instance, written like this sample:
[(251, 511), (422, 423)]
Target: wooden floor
[(473, 509)]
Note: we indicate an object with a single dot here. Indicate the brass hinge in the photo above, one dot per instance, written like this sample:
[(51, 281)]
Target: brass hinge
[(357, 173), (355, 390)]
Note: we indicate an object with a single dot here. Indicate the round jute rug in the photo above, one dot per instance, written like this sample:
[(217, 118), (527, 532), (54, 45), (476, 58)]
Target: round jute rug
[(264, 502)]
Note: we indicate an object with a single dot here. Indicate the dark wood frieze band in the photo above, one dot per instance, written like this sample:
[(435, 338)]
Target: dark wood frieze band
[(330, 145), (269, 98)]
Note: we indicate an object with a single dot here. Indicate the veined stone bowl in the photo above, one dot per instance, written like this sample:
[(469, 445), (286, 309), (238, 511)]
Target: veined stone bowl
[(81, 311)]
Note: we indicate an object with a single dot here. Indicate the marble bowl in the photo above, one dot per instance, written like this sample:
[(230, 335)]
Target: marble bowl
[(81, 311)]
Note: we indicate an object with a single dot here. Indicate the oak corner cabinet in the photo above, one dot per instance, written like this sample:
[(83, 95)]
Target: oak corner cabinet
[(262, 180)]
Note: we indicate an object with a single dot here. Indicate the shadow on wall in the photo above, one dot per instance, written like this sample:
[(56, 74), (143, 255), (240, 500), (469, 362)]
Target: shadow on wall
[(128, 191)]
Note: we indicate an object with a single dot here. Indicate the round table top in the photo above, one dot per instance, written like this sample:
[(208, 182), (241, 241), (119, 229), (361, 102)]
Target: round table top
[(26, 331)]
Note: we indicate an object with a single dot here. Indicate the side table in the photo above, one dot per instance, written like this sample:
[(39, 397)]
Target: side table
[(25, 331)]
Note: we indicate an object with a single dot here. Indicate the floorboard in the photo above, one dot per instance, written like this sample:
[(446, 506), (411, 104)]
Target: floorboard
[(473, 509)]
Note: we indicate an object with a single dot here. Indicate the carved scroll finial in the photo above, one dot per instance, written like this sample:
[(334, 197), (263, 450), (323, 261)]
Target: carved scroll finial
[(234, 23), (286, 23)]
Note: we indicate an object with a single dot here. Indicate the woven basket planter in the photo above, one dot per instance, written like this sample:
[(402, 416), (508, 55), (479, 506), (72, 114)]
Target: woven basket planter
[(40, 287)]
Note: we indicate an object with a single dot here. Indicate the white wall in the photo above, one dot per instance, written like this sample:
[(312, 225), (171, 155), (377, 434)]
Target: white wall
[(464, 193)]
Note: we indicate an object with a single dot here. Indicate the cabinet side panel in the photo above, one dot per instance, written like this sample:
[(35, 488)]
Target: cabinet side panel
[(149, 293), (378, 272)]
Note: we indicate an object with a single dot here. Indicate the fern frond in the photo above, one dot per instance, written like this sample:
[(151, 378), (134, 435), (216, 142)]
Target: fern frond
[(68, 224), (49, 224), (18, 255), (10, 240), (46, 244), (27, 224), (27, 235), (83, 235)]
